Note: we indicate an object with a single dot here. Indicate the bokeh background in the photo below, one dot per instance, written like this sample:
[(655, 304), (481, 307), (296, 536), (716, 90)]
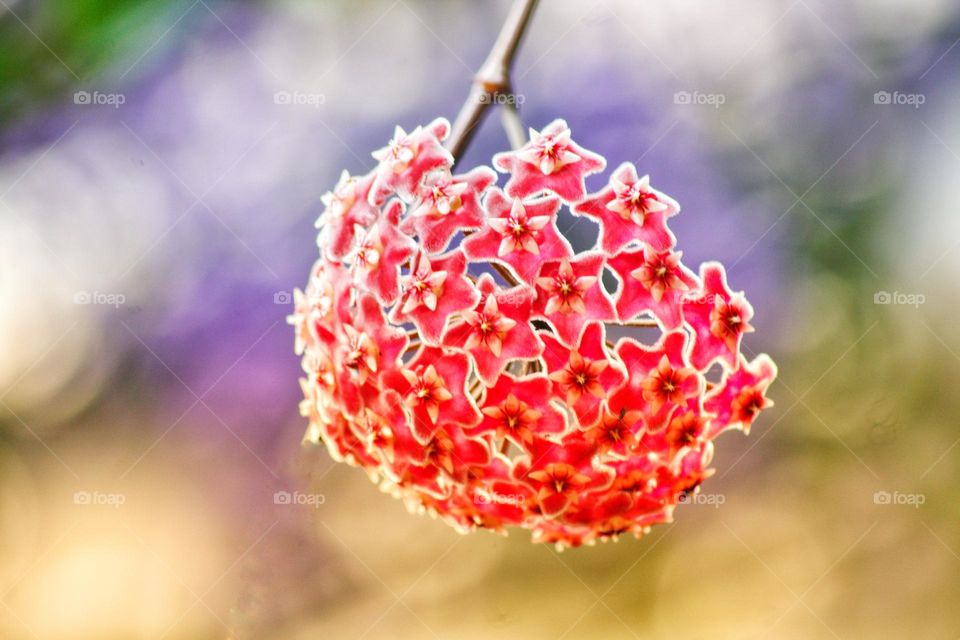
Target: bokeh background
[(157, 203)]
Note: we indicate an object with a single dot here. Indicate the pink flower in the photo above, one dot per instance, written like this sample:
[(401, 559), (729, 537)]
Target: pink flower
[(478, 384), (381, 252), (563, 476), (346, 209), (497, 330), (616, 432), (660, 379), (435, 290), (433, 387), (519, 409), (407, 158), (583, 376), (651, 281), (628, 209), (718, 317), (448, 204), (551, 161), (365, 350), (521, 235), (740, 397), (570, 294)]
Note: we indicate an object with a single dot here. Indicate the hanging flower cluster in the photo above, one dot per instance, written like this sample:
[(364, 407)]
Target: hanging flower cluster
[(455, 346)]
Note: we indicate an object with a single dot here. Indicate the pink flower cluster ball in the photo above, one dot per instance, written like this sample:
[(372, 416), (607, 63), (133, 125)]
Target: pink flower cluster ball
[(455, 345)]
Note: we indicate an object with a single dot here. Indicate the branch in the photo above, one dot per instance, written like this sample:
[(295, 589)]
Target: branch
[(493, 78), (513, 125)]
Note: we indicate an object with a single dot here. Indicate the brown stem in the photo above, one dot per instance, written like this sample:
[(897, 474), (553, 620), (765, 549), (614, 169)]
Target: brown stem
[(513, 125), (493, 77), (640, 323), (505, 274)]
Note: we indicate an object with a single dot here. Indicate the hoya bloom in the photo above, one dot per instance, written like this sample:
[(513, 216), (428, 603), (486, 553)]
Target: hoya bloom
[(378, 255), (628, 209), (448, 204), (451, 455), (364, 351), (719, 318), (436, 289), (741, 396), (407, 158), (660, 379), (519, 409), (454, 345), (651, 281), (616, 432), (561, 474), (498, 330), (570, 294), (346, 208), (686, 431), (551, 161), (433, 387), (582, 376), (519, 234)]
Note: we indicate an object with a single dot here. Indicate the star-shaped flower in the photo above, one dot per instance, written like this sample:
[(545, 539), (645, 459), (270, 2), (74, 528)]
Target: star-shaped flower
[(583, 375), (741, 395), (660, 379), (549, 161), (519, 409), (629, 209), (433, 291), (616, 433), (651, 281), (667, 384), (378, 256), (457, 454), (366, 350), (497, 330), (433, 387), (719, 318), (448, 204), (570, 294), (498, 499), (521, 235), (687, 430), (383, 428), (324, 306), (562, 473), (408, 158), (346, 208)]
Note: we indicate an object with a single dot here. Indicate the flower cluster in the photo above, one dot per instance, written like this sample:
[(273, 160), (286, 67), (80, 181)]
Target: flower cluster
[(455, 346)]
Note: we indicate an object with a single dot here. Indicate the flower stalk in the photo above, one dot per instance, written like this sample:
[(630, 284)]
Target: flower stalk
[(493, 80)]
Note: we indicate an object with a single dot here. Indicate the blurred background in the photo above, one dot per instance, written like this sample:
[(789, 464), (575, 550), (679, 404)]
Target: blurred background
[(161, 165)]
